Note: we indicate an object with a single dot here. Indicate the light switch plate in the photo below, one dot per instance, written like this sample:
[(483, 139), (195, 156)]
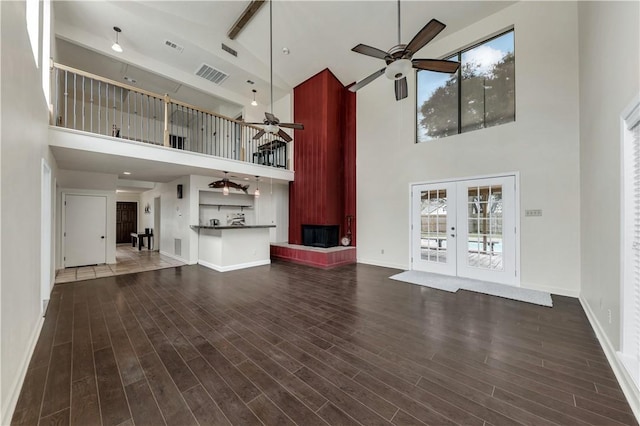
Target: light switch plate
[(530, 213)]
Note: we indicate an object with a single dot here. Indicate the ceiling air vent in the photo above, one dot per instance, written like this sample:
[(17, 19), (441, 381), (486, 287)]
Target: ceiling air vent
[(229, 50), (213, 75), (174, 46)]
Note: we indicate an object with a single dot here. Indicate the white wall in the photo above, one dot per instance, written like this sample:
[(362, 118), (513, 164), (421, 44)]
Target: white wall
[(175, 217), (24, 119), (542, 144), (609, 31)]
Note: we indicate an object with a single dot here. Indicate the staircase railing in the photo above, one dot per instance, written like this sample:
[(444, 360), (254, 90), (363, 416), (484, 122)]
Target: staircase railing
[(90, 103)]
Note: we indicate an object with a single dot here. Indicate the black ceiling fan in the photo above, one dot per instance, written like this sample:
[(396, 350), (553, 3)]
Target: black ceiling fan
[(271, 123), (399, 58)]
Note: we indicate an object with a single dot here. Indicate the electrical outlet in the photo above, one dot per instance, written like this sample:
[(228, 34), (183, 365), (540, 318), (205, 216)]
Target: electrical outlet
[(382, 251), (609, 315), (532, 213)]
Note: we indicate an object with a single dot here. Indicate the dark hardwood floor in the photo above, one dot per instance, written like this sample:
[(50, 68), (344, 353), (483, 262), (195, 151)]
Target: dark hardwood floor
[(287, 344)]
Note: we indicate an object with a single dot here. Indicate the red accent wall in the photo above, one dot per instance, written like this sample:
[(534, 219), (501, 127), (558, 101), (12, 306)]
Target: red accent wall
[(323, 192)]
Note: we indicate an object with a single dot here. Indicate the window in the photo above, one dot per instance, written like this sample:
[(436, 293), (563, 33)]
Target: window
[(33, 26), (481, 94), (630, 239)]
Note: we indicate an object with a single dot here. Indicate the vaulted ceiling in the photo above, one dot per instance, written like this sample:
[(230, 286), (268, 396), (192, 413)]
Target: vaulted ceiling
[(318, 34)]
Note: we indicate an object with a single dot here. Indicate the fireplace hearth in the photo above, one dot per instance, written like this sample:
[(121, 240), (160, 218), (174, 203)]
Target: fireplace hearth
[(320, 235)]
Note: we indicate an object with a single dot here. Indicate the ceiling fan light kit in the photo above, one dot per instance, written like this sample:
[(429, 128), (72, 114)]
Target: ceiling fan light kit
[(398, 69), (399, 59), (225, 184)]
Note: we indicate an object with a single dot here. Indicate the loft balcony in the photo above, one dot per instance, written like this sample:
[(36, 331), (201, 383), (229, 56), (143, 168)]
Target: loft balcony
[(85, 104)]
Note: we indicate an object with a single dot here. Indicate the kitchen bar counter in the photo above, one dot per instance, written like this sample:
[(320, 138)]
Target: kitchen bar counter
[(232, 227), (227, 248)]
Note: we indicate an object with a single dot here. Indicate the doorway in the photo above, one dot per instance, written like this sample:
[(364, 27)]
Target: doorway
[(156, 223), (466, 228), (85, 230), (126, 221)]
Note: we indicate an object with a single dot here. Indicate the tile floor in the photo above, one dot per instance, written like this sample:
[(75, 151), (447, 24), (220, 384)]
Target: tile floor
[(128, 260)]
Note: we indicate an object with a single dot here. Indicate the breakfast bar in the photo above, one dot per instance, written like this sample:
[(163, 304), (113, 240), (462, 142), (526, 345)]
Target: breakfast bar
[(227, 248)]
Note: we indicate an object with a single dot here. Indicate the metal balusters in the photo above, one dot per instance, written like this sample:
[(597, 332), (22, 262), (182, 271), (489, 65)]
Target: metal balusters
[(66, 97)]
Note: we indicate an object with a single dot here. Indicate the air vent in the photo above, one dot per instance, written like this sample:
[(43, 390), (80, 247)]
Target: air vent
[(174, 46), (213, 75), (229, 50)]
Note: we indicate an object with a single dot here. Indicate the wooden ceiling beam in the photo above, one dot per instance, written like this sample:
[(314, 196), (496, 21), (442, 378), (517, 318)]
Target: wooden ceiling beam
[(245, 17)]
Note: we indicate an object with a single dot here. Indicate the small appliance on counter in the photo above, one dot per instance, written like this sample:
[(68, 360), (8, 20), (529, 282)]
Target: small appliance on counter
[(235, 219), (214, 222)]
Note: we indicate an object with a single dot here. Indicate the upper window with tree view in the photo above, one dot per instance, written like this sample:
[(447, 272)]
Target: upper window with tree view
[(481, 94)]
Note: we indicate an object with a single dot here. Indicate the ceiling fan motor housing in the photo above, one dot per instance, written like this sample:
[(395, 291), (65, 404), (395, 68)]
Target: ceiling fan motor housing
[(398, 64)]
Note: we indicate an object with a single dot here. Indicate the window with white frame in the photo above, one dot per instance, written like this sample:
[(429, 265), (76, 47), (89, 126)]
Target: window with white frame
[(480, 94), (630, 350), (33, 26)]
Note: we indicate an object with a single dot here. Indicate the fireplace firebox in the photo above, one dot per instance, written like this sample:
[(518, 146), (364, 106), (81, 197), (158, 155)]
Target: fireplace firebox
[(320, 235)]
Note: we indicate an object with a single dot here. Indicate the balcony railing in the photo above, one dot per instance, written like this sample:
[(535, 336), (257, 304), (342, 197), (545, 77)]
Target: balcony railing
[(87, 102)]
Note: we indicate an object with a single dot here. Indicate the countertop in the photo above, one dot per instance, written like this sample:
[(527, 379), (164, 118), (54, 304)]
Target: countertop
[(232, 227)]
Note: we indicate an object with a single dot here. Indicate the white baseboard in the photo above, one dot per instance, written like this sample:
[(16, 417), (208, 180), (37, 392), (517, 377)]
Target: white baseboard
[(553, 290), (234, 267), (178, 258), (382, 264), (631, 392), (16, 387)]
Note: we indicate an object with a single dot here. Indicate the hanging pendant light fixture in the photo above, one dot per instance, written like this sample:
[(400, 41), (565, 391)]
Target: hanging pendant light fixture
[(257, 191), (254, 102), (116, 46)]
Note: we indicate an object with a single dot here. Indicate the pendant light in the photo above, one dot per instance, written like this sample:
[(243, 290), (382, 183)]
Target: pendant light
[(254, 102), (116, 46), (257, 191)]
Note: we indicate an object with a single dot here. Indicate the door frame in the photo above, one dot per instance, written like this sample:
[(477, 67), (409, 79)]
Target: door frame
[(137, 214), (63, 218), (516, 200), (46, 233)]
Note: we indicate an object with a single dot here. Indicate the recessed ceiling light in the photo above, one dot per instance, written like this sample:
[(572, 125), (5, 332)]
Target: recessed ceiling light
[(285, 50), (126, 173), (246, 178)]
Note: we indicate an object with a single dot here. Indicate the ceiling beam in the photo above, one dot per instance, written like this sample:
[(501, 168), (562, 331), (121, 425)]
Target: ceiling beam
[(245, 17)]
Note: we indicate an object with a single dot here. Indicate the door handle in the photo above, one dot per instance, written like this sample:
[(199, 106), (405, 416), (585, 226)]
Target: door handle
[(102, 237)]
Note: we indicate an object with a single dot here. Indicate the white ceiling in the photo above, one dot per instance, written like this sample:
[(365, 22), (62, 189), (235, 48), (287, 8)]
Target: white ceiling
[(319, 34)]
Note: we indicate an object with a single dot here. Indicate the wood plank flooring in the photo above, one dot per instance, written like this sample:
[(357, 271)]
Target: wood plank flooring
[(287, 344)]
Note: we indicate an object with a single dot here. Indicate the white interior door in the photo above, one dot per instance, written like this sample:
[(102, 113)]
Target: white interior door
[(466, 228), (433, 228), (85, 232)]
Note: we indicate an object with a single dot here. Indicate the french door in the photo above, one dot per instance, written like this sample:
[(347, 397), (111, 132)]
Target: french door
[(466, 228)]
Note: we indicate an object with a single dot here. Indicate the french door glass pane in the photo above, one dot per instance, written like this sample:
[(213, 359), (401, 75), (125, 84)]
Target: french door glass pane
[(433, 225), (485, 227)]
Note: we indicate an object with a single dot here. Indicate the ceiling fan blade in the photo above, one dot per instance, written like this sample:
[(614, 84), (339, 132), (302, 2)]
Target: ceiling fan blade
[(370, 51), (296, 126), (359, 85), (425, 35), (259, 134), (437, 65), (401, 88), (284, 135), (271, 118), (254, 124), (217, 184)]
